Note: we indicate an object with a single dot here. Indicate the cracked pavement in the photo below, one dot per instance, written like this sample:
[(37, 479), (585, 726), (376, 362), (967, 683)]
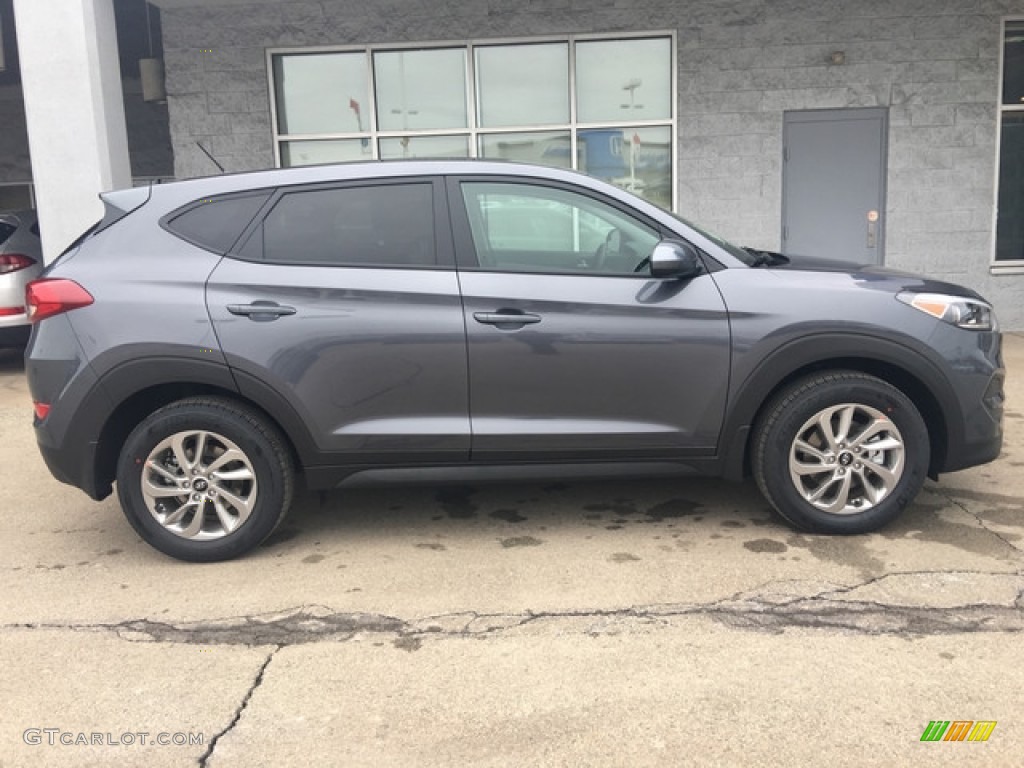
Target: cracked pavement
[(612, 623)]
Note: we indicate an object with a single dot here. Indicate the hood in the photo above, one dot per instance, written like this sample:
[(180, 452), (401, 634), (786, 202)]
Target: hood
[(885, 276)]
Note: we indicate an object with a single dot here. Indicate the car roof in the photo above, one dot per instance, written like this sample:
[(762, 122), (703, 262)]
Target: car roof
[(375, 169)]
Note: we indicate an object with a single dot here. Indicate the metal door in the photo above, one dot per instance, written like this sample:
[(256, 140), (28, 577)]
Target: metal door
[(833, 184)]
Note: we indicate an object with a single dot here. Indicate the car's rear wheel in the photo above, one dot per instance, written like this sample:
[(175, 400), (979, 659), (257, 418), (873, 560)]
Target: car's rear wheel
[(204, 479), (840, 452)]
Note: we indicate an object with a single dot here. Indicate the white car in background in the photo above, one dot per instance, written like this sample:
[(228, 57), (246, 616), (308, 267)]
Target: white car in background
[(21, 261)]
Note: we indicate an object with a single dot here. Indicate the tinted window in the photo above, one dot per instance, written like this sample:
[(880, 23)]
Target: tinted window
[(216, 223), (6, 230), (386, 225), (526, 228)]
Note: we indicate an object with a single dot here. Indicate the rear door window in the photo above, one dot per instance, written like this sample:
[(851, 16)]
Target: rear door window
[(379, 225)]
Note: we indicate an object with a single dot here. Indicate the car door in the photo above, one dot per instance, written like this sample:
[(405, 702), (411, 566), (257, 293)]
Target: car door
[(575, 351), (343, 299)]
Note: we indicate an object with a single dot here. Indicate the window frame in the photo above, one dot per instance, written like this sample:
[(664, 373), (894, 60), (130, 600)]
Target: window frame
[(996, 265), (443, 249), (473, 130)]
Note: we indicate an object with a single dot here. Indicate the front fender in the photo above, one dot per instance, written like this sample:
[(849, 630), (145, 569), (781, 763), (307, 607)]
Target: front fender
[(866, 352)]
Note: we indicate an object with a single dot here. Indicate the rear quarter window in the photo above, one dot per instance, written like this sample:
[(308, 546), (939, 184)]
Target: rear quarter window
[(6, 230), (215, 223)]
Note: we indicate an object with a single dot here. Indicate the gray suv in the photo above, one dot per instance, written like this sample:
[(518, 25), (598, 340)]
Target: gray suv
[(211, 339)]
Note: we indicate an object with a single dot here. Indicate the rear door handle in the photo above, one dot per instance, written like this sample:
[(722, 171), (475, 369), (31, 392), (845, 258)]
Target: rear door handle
[(261, 311), (506, 317)]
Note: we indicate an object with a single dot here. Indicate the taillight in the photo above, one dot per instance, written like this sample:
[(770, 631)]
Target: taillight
[(8, 311), (53, 295), (42, 410), (12, 262)]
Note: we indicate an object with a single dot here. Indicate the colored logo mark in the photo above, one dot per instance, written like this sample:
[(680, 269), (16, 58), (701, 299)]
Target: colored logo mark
[(958, 730)]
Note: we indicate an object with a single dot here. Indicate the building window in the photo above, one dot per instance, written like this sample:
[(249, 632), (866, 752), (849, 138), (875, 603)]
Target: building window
[(601, 105), (1010, 215)]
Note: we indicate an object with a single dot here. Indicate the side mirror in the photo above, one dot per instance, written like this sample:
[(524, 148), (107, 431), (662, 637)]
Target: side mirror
[(675, 259)]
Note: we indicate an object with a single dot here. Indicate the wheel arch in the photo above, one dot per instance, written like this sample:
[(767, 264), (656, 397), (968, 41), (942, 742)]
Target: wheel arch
[(136, 389), (906, 368)]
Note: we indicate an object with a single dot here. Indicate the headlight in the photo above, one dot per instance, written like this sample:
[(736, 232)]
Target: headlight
[(960, 311)]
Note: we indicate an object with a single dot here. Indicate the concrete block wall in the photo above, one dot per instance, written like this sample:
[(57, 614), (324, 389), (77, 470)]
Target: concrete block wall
[(741, 65)]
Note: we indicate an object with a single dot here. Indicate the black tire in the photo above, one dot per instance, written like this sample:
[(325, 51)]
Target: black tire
[(244, 473), (858, 479)]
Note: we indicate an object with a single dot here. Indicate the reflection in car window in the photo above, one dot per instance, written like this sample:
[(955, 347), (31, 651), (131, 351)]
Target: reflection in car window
[(529, 228), (384, 225)]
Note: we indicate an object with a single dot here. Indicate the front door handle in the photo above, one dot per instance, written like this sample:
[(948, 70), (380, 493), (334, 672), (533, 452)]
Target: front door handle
[(507, 318), (261, 311)]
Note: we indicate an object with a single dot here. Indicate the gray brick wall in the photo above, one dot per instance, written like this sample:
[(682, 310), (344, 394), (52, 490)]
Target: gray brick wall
[(741, 64)]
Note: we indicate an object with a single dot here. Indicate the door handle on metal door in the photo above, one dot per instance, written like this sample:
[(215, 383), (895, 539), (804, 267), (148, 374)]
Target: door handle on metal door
[(506, 317), (261, 311)]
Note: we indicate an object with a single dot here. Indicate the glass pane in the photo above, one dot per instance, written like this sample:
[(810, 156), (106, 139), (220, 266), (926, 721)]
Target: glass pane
[(547, 148), (1013, 63), (523, 84), (327, 151), (387, 225), (1010, 226), (619, 80), (637, 159), (321, 93), (424, 146), (421, 90), (529, 228), (216, 224)]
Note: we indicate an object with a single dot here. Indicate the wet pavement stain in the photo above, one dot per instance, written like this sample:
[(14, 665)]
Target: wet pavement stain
[(970, 537), (1008, 517), (432, 545), (671, 509), (455, 502), (1014, 502), (765, 545), (520, 541), (613, 527), (508, 515), (311, 559), (623, 557), (842, 550)]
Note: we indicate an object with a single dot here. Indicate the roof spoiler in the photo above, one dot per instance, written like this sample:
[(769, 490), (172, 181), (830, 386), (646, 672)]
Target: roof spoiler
[(121, 202)]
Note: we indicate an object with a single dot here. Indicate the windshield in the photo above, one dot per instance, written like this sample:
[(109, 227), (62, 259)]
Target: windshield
[(725, 245)]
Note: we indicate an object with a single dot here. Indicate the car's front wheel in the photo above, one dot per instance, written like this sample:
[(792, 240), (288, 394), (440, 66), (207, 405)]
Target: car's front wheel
[(840, 452), (204, 479)]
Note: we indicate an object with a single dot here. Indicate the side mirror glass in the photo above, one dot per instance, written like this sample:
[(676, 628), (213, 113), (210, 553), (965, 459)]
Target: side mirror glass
[(675, 259)]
